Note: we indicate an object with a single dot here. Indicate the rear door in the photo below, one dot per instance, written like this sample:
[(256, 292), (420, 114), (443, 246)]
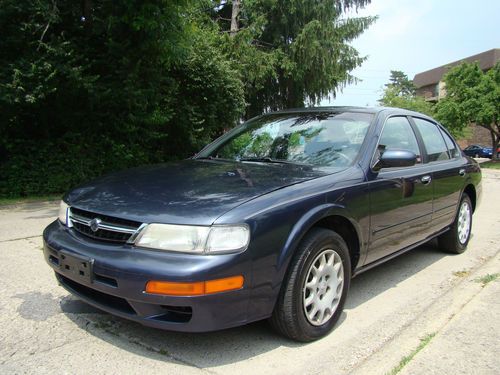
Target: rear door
[(400, 198), (447, 169)]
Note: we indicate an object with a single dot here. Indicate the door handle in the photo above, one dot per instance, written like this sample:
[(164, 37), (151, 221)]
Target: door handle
[(461, 172), (426, 179)]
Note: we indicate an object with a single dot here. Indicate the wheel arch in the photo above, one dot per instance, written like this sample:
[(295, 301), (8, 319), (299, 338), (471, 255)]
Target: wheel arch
[(470, 190), (329, 216), (345, 228)]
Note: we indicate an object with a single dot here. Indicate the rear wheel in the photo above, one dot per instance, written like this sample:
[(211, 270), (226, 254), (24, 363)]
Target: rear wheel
[(313, 294), (456, 239)]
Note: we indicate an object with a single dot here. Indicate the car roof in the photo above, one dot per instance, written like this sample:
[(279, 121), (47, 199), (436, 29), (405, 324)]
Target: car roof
[(372, 110)]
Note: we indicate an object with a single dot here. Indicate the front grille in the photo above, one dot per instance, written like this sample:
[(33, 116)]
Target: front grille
[(109, 228), (100, 234)]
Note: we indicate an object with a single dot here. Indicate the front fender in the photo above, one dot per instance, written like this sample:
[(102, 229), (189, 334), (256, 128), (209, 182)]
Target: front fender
[(302, 226)]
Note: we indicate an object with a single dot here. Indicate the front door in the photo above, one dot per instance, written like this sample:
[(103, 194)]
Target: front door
[(400, 198)]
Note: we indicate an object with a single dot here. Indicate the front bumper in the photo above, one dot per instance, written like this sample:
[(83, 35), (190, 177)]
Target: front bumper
[(118, 275)]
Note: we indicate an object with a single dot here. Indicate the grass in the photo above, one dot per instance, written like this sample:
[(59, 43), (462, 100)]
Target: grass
[(39, 198), (487, 278), (491, 164), (406, 359), (462, 273)]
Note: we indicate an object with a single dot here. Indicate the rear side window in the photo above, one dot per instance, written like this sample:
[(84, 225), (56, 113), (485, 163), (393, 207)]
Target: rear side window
[(398, 135), (452, 147), (433, 140)]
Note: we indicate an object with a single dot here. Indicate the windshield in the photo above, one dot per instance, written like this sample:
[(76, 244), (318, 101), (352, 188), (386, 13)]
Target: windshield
[(318, 139)]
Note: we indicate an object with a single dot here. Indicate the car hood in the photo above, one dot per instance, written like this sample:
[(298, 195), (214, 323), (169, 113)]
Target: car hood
[(186, 192)]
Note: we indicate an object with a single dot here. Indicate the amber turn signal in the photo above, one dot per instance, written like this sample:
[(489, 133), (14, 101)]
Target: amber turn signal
[(196, 288)]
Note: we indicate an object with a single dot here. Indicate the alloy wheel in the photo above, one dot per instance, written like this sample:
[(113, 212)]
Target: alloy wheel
[(464, 222), (323, 287)]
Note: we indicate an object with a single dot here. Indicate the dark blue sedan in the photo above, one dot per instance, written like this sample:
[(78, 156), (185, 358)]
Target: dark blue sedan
[(477, 151), (272, 220)]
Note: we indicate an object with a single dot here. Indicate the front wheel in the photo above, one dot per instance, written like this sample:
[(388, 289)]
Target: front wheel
[(456, 239), (313, 294)]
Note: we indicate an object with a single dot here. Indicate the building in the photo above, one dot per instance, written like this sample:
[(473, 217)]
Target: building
[(430, 85)]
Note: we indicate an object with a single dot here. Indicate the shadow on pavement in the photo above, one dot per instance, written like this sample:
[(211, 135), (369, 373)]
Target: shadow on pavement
[(388, 275)]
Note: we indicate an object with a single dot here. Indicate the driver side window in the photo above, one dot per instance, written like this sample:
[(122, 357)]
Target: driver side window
[(398, 135)]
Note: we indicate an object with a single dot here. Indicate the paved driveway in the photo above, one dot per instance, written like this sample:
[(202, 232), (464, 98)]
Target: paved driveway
[(45, 330)]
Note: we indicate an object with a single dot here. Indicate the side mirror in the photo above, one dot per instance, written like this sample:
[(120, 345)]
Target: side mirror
[(395, 159)]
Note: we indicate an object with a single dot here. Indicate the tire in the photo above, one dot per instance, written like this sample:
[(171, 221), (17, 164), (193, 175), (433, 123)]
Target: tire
[(476, 156), (294, 315), (456, 239)]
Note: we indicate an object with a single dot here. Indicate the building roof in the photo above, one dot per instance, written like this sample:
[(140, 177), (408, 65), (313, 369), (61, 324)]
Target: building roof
[(486, 61)]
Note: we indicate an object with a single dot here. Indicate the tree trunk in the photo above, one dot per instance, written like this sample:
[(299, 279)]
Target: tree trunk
[(234, 17), (495, 143)]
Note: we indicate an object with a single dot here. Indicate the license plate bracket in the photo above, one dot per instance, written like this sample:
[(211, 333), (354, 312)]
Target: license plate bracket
[(80, 267)]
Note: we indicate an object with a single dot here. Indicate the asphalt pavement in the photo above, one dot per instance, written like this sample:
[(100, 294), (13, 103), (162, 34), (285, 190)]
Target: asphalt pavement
[(432, 312)]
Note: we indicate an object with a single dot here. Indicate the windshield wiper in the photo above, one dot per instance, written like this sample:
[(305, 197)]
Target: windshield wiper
[(212, 158), (273, 161)]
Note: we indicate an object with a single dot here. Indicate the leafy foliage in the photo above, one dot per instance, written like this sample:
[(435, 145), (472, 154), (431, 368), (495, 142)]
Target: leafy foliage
[(293, 52), (400, 92), (472, 96), (94, 86), (78, 99), (400, 84)]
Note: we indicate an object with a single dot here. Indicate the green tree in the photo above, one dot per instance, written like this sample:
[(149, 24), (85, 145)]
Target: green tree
[(87, 90), (400, 84), (472, 97), (292, 52), (93, 86), (400, 93)]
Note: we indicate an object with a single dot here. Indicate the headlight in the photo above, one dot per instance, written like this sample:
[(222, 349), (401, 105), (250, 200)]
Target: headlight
[(227, 238), (63, 213), (195, 239)]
